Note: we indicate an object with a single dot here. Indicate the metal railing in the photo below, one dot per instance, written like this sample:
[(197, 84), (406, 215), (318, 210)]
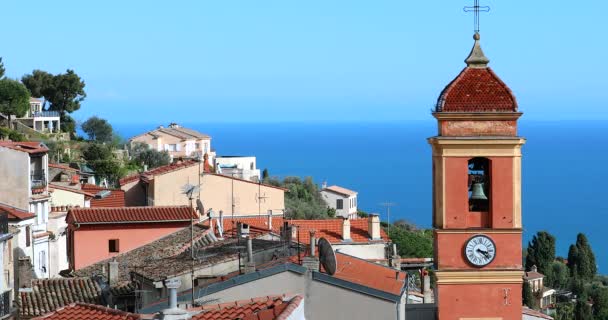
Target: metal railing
[(38, 179), (5, 304), (45, 114)]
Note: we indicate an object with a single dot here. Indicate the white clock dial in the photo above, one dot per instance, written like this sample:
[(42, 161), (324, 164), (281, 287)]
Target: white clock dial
[(480, 250)]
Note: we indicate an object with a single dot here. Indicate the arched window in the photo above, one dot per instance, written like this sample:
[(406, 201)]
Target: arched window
[(479, 184)]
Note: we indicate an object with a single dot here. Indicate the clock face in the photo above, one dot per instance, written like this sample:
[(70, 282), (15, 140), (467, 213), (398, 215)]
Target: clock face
[(480, 250)]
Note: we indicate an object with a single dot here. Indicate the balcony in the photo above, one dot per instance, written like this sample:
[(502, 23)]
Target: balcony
[(38, 179), (45, 114)]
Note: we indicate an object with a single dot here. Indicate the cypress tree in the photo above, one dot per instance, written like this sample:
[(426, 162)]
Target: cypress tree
[(573, 258), (586, 261), (528, 296), (582, 311), (541, 252)]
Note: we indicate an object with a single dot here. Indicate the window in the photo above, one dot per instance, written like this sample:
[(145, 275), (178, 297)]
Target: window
[(113, 245), (479, 184), (339, 204), (27, 236), (197, 146), (171, 147)]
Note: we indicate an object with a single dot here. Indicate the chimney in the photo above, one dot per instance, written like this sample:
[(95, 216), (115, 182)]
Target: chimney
[(373, 226), (346, 230), (311, 262), (173, 312), (426, 289), (270, 219), (313, 242), (250, 264), (533, 268), (145, 168), (113, 272)]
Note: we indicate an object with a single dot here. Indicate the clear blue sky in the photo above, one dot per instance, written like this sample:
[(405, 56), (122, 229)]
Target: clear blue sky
[(318, 60)]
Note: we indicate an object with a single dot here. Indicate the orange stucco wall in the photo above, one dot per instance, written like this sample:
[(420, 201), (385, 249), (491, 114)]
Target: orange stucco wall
[(90, 242), (479, 301), (457, 215), (450, 252)]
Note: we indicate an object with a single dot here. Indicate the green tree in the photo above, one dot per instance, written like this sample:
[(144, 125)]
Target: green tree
[(39, 83), (413, 244), (581, 259), (1, 68), (599, 296), (98, 129), (102, 160), (582, 311), (558, 275), (265, 174), (14, 98), (303, 201), (541, 252), (142, 155), (11, 134), (564, 311), (528, 296)]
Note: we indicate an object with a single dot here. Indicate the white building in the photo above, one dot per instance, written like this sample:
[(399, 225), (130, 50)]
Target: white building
[(24, 191), (341, 199), (6, 281), (40, 120), (238, 167)]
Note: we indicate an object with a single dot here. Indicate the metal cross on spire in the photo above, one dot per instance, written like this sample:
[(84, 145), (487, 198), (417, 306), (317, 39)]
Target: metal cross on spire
[(476, 8)]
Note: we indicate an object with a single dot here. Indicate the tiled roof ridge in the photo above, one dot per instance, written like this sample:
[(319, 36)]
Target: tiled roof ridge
[(90, 186), (49, 294), (340, 190), (158, 171), (119, 214), (294, 303), (61, 166), (94, 307), (366, 261), (11, 211), (248, 181), (269, 307), (31, 147)]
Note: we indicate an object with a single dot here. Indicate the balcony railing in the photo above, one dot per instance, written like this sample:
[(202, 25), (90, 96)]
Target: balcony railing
[(5, 304), (41, 114), (38, 179)]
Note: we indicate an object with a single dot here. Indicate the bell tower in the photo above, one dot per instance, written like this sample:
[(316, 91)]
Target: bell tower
[(477, 196)]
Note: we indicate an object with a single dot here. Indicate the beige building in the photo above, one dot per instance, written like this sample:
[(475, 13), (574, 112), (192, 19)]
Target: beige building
[(164, 186), (24, 189), (343, 200), (177, 140), (544, 294)]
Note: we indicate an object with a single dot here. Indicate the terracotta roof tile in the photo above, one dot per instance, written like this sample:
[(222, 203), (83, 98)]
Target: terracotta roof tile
[(530, 275), (369, 274), (266, 308), (29, 147), (476, 90), (62, 167), (158, 171), (86, 311), (130, 214), (15, 214), (49, 294), (115, 199), (64, 188), (330, 229), (340, 190), (534, 313)]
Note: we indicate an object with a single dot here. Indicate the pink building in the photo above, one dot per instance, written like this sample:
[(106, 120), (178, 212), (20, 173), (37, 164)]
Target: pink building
[(96, 234)]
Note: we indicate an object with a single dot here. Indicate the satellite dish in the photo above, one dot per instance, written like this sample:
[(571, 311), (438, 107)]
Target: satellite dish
[(200, 207), (327, 256)]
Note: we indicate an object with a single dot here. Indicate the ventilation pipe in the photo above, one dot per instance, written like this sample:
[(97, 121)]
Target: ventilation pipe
[(270, 219), (250, 264), (312, 243)]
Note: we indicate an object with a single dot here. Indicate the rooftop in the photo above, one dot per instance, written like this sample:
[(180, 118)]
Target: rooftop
[(330, 229), (115, 199), (16, 214), (340, 190), (170, 256), (88, 311), (265, 308), (74, 190), (131, 215), (176, 131), (50, 294), (29, 147)]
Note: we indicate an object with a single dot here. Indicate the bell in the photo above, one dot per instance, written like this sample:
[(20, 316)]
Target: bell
[(477, 192)]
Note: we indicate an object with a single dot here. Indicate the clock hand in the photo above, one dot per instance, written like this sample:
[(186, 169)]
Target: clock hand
[(485, 253)]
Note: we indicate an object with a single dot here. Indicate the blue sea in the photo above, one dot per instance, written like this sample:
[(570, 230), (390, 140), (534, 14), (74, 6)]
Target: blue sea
[(565, 168)]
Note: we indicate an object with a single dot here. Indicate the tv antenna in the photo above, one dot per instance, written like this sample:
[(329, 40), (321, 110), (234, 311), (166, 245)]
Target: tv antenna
[(327, 256), (388, 206)]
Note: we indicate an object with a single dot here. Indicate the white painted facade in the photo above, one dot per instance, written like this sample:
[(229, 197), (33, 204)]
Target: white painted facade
[(345, 204), (58, 245), (238, 167)]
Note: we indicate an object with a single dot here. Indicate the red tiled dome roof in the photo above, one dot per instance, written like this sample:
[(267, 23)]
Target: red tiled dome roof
[(477, 90)]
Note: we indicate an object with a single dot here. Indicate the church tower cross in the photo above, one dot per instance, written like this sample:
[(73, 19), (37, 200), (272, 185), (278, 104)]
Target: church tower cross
[(476, 9)]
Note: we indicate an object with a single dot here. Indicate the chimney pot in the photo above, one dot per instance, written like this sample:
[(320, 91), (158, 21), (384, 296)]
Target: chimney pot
[(312, 243)]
